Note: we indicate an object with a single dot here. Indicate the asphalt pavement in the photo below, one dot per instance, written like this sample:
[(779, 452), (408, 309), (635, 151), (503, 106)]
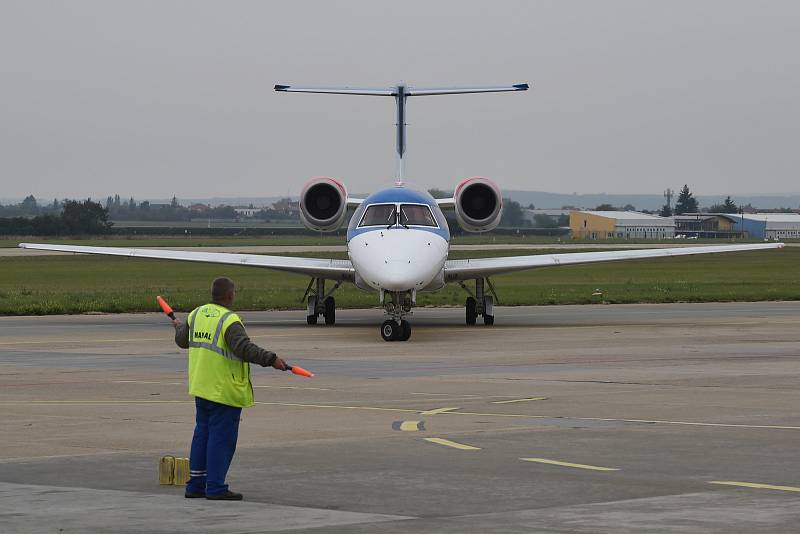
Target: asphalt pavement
[(619, 419)]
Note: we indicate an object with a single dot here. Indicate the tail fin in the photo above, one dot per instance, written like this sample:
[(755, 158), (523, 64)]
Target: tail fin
[(400, 94)]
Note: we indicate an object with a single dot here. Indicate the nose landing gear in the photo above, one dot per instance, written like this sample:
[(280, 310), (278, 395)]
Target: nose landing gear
[(397, 328), (392, 331)]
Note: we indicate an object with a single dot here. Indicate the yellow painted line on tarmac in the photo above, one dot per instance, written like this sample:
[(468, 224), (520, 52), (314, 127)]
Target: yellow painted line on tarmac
[(452, 444), (184, 383), (438, 411), (82, 341), (148, 382), (293, 387), (89, 402), (649, 421), (754, 485), (340, 407), (569, 464), (479, 414), (529, 399), (410, 426)]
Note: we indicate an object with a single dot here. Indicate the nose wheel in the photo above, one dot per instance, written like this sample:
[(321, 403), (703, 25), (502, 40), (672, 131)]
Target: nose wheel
[(392, 331)]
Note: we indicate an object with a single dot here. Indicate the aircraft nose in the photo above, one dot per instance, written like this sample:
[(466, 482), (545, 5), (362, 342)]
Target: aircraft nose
[(398, 275)]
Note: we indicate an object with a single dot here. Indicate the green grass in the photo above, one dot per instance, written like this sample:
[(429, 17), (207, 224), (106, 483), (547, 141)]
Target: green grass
[(78, 284)]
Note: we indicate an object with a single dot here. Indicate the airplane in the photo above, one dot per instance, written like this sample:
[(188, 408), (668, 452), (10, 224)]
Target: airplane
[(398, 238)]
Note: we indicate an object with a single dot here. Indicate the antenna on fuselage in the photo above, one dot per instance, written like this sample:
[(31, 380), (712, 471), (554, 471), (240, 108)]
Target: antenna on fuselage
[(401, 93)]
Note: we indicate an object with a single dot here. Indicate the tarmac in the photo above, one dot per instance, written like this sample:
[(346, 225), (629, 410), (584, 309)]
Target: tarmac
[(671, 418)]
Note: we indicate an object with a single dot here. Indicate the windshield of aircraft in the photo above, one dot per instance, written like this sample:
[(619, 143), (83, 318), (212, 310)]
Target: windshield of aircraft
[(416, 215), (379, 215)]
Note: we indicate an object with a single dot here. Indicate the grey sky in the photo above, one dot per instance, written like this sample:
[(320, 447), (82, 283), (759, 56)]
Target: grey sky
[(155, 98)]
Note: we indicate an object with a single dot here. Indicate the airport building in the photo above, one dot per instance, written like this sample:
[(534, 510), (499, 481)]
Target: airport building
[(706, 225), (620, 225), (774, 226)]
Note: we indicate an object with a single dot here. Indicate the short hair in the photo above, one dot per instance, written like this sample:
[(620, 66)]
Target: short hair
[(221, 287)]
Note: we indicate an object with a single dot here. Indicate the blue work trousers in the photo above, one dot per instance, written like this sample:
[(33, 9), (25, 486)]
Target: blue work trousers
[(213, 445)]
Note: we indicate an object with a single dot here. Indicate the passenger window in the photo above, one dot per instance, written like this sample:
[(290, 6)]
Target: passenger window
[(416, 215), (379, 215)]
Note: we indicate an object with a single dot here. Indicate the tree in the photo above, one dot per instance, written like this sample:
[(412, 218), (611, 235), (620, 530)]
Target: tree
[(629, 207), (29, 204), (85, 217), (606, 207), (729, 206), (666, 211), (512, 214), (686, 202), (174, 203)]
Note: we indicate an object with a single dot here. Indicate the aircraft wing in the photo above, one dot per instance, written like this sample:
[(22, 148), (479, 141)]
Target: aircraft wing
[(455, 270), (316, 267)]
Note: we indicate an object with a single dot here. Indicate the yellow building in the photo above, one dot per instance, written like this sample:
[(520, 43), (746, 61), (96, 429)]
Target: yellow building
[(619, 225)]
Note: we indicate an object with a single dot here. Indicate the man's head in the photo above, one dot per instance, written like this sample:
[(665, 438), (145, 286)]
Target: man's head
[(223, 291)]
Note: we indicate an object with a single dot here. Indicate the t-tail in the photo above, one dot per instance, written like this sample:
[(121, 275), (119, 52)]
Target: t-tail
[(400, 93)]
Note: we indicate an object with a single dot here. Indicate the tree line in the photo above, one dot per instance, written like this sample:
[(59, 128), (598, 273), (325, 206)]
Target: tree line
[(74, 218)]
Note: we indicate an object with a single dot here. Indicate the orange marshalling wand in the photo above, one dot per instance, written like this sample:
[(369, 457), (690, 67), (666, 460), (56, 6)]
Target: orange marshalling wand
[(299, 371), (165, 307)]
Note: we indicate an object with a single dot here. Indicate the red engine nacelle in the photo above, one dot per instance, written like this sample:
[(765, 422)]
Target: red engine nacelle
[(323, 204), (478, 204)]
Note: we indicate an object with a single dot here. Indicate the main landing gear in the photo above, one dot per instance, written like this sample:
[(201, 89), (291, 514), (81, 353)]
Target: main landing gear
[(398, 306), (480, 303), (320, 303)]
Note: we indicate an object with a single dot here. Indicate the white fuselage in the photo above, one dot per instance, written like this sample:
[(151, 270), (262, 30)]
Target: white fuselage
[(389, 252), (397, 258)]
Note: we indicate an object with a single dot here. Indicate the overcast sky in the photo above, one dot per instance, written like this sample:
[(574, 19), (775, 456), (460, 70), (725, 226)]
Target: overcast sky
[(154, 98)]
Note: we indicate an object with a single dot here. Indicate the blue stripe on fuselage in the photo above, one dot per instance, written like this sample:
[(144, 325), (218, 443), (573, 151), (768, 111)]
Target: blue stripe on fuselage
[(444, 234), (398, 195)]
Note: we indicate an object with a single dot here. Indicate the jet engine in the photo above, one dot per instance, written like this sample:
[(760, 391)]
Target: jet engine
[(323, 204), (478, 204)]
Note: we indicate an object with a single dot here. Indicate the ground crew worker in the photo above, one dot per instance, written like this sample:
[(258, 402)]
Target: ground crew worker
[(220, 353)]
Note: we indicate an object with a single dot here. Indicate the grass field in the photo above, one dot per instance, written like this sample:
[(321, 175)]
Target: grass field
[(80, 284)]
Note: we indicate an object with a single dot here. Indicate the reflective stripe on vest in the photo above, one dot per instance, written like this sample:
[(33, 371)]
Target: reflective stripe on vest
[(213, 346), (215, 372)]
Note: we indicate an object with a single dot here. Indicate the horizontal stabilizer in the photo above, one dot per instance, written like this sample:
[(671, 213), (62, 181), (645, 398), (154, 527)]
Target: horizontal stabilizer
[(337, 90), (413, 91), (407, 91)]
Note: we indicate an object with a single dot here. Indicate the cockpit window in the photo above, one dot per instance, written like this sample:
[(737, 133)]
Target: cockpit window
[(416, 215), (379, 215)]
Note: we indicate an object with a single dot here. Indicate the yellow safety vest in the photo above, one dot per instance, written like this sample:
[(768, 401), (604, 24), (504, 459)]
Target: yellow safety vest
[(215, 372)]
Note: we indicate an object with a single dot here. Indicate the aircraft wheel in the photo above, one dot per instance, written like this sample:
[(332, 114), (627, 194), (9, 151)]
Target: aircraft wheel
[(330, 311), (472, 311), (311, 319), (488, 320), (390, 330), (405, 333)]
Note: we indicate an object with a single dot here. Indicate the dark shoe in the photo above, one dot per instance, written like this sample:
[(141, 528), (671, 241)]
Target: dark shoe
[(227, 496), (194, 495)]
